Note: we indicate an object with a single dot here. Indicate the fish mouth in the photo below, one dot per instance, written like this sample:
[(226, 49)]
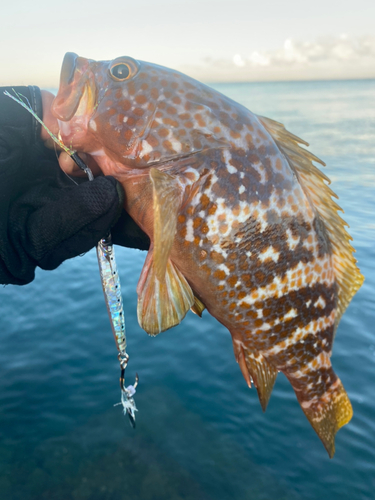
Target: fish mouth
[(76, 99)]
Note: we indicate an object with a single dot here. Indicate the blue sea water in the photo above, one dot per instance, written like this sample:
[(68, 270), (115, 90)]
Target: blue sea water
[(201, 433)]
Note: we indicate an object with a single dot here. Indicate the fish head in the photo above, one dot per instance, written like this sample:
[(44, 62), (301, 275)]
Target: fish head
[(135, 113)]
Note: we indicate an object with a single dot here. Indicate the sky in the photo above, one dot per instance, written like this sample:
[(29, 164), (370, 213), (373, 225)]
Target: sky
[(211, 40)]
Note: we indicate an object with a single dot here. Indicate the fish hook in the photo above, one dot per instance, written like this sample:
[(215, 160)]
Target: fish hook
[(127, 393)]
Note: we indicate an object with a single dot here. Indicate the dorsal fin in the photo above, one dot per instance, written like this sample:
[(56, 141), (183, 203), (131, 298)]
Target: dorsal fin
[(312, 180)]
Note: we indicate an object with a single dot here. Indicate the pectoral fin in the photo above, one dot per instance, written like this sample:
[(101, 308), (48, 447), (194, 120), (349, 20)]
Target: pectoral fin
[(167, 197), (162, 304), (164, 295)]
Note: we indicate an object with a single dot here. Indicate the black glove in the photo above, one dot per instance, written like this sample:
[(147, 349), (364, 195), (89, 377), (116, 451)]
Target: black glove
[(44, 217)]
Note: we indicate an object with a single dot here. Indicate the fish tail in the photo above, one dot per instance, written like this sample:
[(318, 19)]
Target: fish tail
[(324, 401)]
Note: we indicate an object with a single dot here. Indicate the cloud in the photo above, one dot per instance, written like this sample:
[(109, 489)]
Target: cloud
[(328, 58), (304, 53), (238, 61)]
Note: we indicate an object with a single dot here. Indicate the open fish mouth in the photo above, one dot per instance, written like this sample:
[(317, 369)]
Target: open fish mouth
[(87, 101), (85, 106), (76, 98)]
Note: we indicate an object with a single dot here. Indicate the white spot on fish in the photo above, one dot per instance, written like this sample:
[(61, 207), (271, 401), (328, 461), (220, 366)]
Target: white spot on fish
[(292, 313), (262, 172), (269, 253), (146, 149), (176, 145), (207, 191), (227, 157), (292, 242), (224, 268), (189, 230), (263, 223), (241, 189), (265, 326), (320, 303), (307, 404), (192, 175)]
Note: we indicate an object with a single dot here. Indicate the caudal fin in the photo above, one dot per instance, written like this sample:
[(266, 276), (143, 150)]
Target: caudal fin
[(327, 409)]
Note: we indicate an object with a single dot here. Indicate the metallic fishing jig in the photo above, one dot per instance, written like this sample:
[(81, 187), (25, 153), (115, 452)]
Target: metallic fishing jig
[(113, 298)]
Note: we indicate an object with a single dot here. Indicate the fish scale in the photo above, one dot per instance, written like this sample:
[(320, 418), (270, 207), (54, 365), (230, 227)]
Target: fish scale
[(241, 221)]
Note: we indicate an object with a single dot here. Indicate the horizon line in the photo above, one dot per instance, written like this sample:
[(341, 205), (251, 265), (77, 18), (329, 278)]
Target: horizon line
[(292, 81), (218, 82)]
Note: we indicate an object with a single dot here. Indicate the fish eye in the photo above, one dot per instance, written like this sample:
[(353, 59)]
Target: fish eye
[(120, 71)]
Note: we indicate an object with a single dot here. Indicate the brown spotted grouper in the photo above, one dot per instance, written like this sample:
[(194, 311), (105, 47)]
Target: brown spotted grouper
[(240, 220)]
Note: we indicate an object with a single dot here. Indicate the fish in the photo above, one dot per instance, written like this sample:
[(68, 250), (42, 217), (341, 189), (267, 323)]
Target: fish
[(241, 221)]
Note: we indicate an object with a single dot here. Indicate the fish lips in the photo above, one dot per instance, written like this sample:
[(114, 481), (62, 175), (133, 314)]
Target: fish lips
[(77, 93)]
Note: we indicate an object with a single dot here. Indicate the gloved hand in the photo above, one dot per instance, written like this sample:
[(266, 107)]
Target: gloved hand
[(44, 217)]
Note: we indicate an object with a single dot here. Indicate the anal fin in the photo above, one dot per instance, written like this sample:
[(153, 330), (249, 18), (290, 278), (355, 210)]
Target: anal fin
[(257, 369), (162, 304)]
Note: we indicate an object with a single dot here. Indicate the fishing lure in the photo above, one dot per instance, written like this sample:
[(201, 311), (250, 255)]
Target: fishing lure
[(109, 278), (113, 298)]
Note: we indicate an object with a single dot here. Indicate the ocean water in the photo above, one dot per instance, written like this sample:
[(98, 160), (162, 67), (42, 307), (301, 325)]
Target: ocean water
[(201, 433)]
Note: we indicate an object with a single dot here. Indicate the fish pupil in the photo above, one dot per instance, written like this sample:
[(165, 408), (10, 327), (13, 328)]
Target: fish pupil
[(120, 71)]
